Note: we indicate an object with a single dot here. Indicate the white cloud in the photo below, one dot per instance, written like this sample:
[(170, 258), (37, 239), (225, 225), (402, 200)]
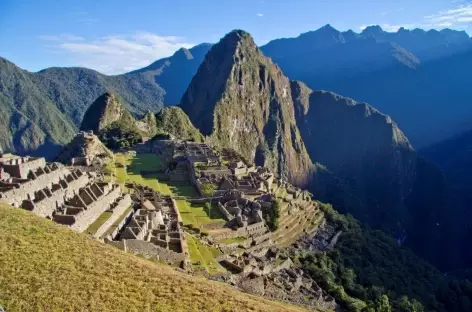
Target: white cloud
[(260, 14), (460, 14), (117, 54)]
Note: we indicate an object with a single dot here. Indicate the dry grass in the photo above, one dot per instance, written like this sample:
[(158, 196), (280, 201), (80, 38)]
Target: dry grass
[(46, 267)]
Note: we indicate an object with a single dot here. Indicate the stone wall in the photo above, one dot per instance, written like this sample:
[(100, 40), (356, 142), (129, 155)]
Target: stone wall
[(149, 250), (95, 209), (16, 196), (225, 212), (259, 239), (124, 204), (45, 207), (256, 228), (122, 223), (20, 169)]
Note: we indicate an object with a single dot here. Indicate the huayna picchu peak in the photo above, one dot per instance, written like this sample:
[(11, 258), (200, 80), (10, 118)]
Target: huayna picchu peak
[(239, 99)]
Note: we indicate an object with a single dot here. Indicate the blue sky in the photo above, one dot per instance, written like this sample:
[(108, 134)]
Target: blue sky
[(116, 36)]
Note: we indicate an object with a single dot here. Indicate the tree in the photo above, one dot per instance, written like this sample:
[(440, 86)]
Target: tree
[(208, 190)]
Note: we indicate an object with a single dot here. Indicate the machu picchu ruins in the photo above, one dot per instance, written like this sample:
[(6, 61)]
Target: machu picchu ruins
[(186, 204)]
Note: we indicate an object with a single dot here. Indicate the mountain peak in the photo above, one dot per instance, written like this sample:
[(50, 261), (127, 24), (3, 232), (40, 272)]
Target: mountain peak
[(237, 36), (373, 29), (183, 53), (236, 77), (328, 29), (105, 110)]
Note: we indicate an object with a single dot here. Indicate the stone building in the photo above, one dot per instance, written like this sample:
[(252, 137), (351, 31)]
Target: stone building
[(155, 228), (19, 167), (88, 203), (42, 189)]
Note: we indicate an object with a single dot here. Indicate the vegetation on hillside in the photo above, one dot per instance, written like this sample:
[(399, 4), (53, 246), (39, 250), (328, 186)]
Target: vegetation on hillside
[(368, 271), (46, 267), (29, 123), (172, 120), (42, 111), (272, 216)]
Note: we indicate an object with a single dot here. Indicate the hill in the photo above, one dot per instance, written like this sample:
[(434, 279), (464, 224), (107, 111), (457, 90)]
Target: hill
[(172, 120), (112, 122), (47, 267)]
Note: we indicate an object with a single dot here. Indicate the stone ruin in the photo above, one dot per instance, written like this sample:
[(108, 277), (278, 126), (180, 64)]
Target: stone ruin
[(255, 183), (272, 274), (67, 196), (195, 152), (257, 263), (154, 229), (88, 203)]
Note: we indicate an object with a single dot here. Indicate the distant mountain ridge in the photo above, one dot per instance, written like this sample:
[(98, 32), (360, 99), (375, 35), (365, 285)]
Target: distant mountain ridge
[(405, 73), (174, 73), (371, 66)]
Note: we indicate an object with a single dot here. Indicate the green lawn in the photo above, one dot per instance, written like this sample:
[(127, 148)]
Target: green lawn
[(232, 240), (203, 254), (197, 214), (93, 228), (136, 164), (184, 190)]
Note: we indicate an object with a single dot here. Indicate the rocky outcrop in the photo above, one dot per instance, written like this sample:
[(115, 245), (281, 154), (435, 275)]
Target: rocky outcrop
[(86, 146), (241, 100), (363, 149)]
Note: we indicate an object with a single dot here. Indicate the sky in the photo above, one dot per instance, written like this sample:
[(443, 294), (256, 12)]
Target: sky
[(117, 36)]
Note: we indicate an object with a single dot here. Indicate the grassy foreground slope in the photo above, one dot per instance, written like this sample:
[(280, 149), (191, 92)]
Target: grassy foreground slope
[(45, 267)]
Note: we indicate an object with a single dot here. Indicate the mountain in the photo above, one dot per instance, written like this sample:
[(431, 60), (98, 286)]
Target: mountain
[(426, 45), (59, 260), (361, 146), (241, 100), (453, 156), (328, 53), (346, 152), (31, 122), (404, 73), (174, 73), (430, 104), (112, 122), (366, 166), (43, 110)]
